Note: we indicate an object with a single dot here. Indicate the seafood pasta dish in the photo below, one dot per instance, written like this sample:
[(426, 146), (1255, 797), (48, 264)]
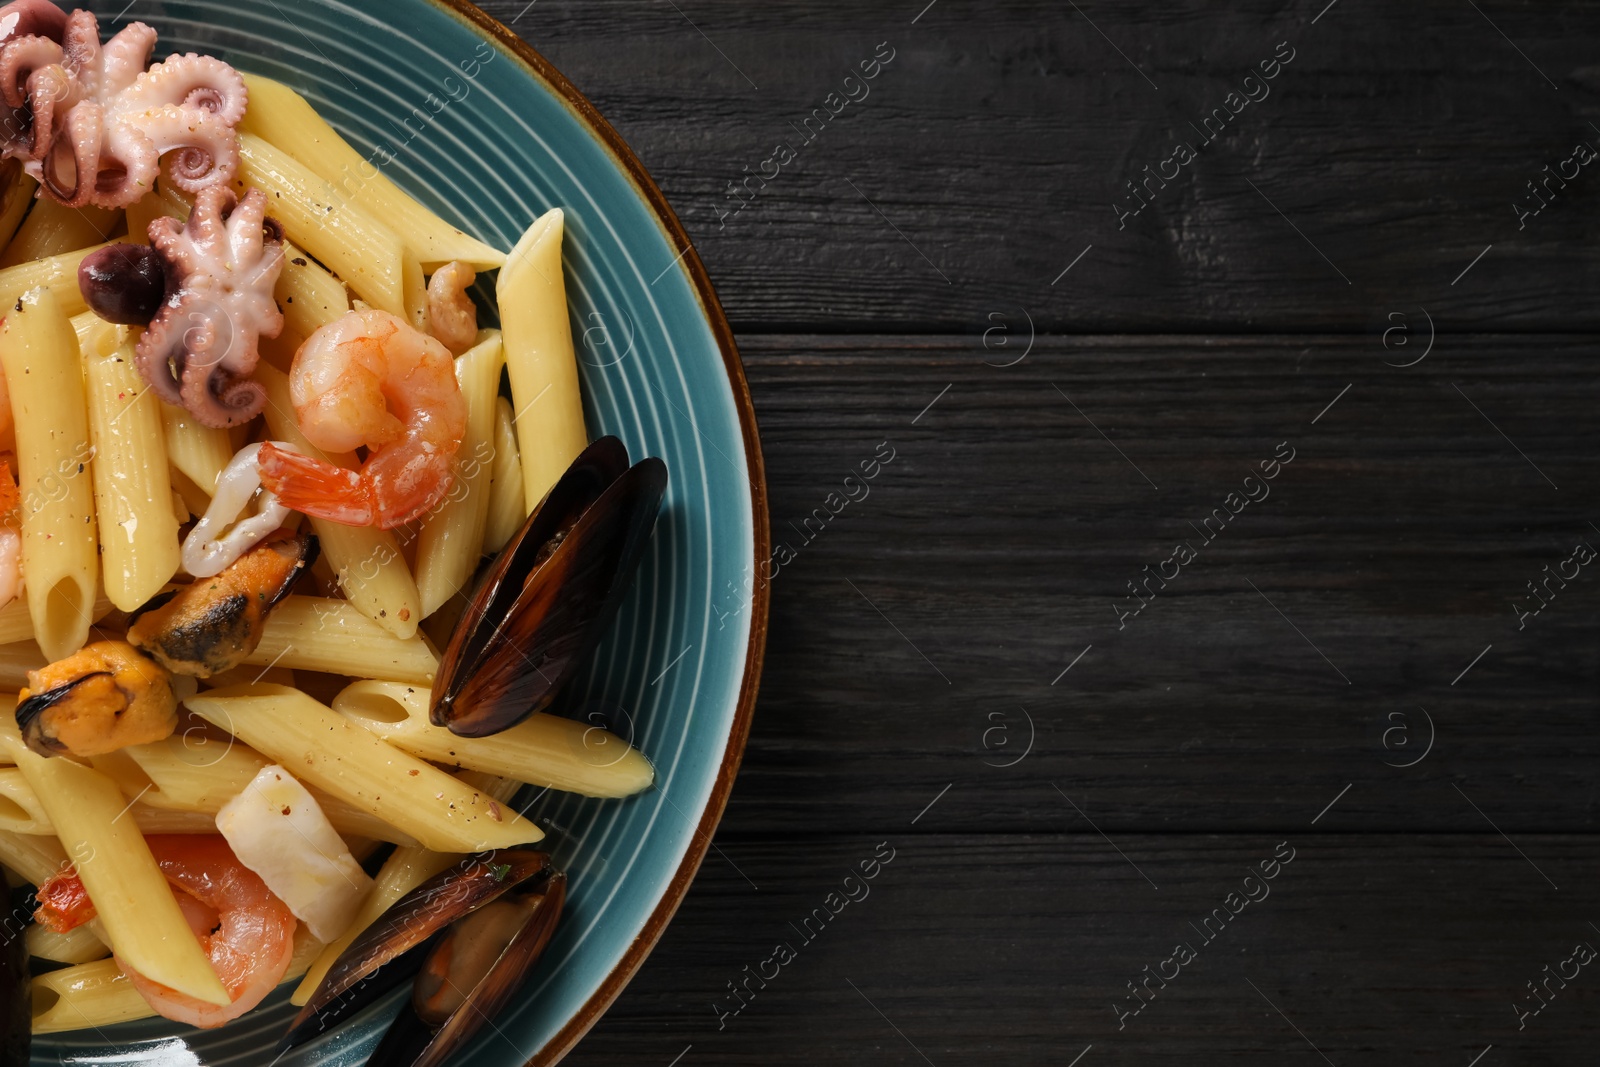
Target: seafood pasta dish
[(297, 557)]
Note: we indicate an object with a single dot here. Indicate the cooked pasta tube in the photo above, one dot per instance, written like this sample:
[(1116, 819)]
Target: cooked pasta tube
[(548, 414), (33, 857), (59, 274), (131, 897), (282, 116), (327, 634), (99, 994), (16, 197), (544, 750), (506, 512), (354, 244), (138, 532), (88, 995), (77, 945), (60, 566), (16, 660), (415, 289), (200, 452), (16, 624), (20, 810), (329, 751), (145, 210), (194, 773), (309, 296), (371, 569), (452, 532), (52, 228)]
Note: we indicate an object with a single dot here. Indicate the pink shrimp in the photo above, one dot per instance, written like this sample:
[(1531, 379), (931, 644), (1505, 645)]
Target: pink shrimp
[(372, 379), (247, 933)]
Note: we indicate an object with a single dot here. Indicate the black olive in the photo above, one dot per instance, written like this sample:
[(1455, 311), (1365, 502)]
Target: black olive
[(124, 283)]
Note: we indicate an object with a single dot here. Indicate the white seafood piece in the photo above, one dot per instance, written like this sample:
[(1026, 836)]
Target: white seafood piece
[(208, 550), (278, 830)]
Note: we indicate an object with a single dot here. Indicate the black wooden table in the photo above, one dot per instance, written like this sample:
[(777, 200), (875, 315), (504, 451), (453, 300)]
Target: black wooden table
[(1206, 671)]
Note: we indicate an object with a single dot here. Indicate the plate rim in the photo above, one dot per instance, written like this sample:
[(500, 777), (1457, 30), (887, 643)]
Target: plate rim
[(497, 33)]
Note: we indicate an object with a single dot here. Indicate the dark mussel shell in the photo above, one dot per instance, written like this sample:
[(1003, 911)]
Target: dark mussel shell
[(398, 941), (547, 600), (477, 989)]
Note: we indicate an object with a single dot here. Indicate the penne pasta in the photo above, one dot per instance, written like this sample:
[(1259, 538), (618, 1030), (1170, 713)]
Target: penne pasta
[(16, 197), (547, 410), (308, 295), (352, 243), (16, 624), (141, 918), (328, 751), (139, 549), (99, 994), (371, 570), (452, 532), (32, 857), (200, 452), (416, 292), (282, 116), (59, 274), (88, 995), (325, 634), (16, 660), (52, 228), (506, 513), (60, 567), (193, 773), (20, 810), (78, 945), (543, 750)]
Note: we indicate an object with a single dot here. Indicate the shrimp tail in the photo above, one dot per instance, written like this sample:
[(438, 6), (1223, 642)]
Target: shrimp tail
[(317, 488)]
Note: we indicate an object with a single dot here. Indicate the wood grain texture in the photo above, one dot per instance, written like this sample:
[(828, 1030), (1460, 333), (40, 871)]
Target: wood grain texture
[(998, 543), (1017, 949), (949, 668), (984, 158)]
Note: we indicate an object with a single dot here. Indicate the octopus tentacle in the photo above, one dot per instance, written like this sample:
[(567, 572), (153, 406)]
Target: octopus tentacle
[(20, 59), (205, 150), (160, 359), (70, 167), (128, 165), (31, 18), (194, 81), (125, 57), (80, 44)]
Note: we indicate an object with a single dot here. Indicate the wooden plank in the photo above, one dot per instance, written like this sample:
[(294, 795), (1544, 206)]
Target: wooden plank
[(916, 632), (1374, 948), (988, 154)]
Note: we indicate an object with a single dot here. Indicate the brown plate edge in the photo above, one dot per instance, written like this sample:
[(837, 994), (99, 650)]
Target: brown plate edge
[(589, 1014)]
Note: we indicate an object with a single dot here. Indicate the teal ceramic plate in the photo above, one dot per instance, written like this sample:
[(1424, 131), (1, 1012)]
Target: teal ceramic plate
[(483, 130)]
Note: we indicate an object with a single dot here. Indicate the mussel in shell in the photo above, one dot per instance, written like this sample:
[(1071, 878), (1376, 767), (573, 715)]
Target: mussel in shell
[(103, 697), (470, 935), (548, 598), (213, 624)]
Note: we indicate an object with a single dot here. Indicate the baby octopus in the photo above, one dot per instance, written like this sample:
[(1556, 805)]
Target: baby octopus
[(221, 267), (92, 123)]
